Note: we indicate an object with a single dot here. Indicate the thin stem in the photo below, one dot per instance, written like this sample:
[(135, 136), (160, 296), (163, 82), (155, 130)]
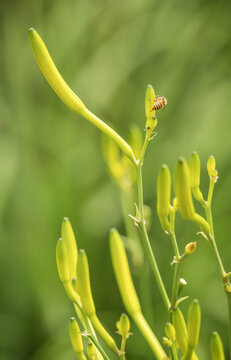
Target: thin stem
[(141, 224)]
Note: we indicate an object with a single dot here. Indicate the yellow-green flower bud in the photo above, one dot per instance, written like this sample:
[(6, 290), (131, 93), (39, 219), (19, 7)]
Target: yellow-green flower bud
[(93, 353), (123, 326), (216, 347), (69, 240), (181, 330), (190, 248), (211, 165), (167, 342), (151, 122), (51, 73), (194, 324), (136, 140), (194, 168), (84, 285), (122, 274), (62, 261), (182, 186), (76, 339), (170, 331), (163, 197)]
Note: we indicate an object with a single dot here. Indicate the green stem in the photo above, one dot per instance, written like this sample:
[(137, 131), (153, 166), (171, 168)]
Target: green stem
[(141, 224)]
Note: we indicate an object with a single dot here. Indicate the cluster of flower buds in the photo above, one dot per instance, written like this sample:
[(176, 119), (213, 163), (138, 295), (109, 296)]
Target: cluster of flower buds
[(187, 186)]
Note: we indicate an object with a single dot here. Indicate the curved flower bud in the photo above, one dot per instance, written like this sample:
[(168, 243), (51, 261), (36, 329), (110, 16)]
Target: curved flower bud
[(163, 197), (62, 261), (170, 331), (150, 97)]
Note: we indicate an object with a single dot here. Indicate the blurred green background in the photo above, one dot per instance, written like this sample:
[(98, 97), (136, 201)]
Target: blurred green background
[(52, 164)]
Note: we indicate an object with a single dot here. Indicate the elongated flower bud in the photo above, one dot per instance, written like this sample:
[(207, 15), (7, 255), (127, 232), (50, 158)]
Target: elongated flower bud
[(84, 291), (163, 197), (62, 261), (195, 168), (181, 330), (182, 186), (69, 98), (76, 339), (216, 347), (122, 273), (71, 246), (150, 114), (92, 352), (51, 73), (211, 165), (84, 285), (194, 324)]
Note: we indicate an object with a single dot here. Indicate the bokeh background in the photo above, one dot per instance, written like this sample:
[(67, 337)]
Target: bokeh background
[(52, 164)]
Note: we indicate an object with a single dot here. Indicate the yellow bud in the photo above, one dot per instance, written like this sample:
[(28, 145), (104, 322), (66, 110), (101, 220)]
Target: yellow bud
[(163, 197), (123, 326), (93, 352), (195, 168), (76, 339), (167, 342), (190, 248), (122, 274), (69, 240), (84, 285), (181, 330), (194, 324), (150, 114), (170, 331), (211, 164), (62, 261), (216, 347), (51, 73)]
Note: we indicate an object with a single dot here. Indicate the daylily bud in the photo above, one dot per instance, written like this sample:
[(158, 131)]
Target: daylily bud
[(216, 347), (122, 274), (84, 291), (123, 326), (150, 114), (76, 339), (170, 331), (84, 285), (93, 353), (69, 240), (163, 197), (194, 168), (190, 248), (181, 330), (51, 73), (167, 342), (211, 164), (62, 261), (194, 324), (182, 186)]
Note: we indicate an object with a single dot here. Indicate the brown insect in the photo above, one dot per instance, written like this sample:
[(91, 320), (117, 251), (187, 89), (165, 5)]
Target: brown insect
[(161, 101)]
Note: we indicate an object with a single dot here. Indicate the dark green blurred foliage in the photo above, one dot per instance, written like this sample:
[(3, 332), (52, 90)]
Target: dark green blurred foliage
[(52, 166)]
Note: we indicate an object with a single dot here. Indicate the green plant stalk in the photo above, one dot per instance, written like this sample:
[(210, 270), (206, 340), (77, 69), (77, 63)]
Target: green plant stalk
[(173, 351), (177, 264), (141, 224), (225, 278), (154, 344)]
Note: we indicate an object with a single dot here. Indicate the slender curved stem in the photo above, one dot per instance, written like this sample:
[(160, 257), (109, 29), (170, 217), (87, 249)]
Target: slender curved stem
[(141, 225)]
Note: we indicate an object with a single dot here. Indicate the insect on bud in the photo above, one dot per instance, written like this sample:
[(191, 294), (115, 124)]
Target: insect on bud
[(190, 248), (194, 324), (163, 196), (216, 347)]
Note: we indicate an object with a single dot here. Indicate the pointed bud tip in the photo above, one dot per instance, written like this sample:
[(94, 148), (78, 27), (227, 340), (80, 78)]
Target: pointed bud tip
[(65, 219), (72, 319), (81, 251), (31, 29)]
